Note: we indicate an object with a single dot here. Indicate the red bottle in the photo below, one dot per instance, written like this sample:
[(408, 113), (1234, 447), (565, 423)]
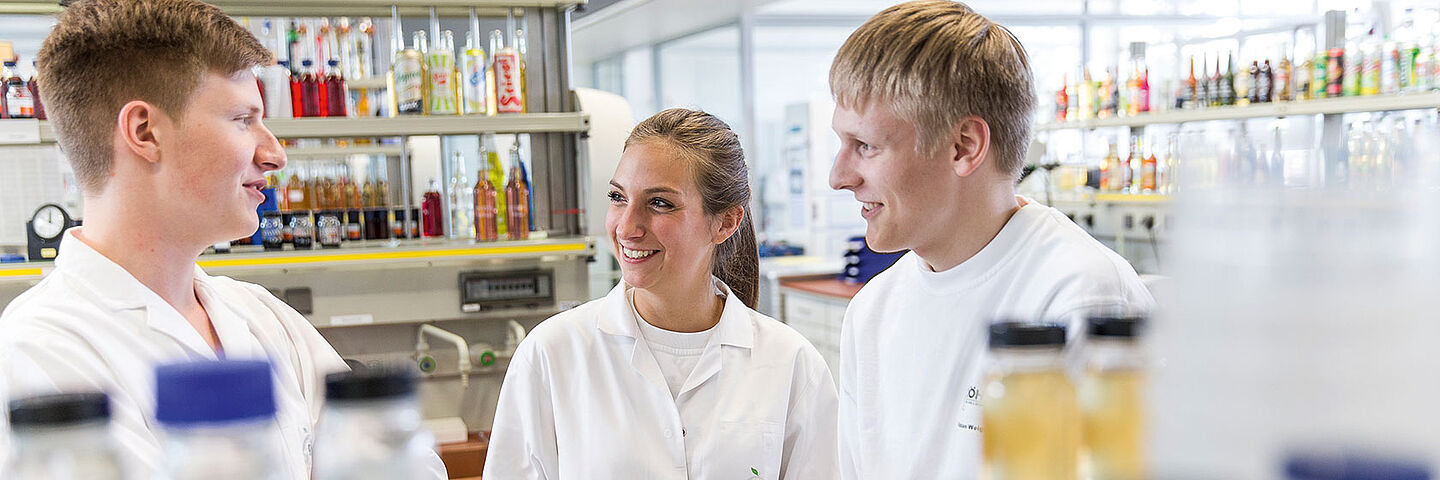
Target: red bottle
[(335, 93), (297, 104), (430, 212), (310, 97)]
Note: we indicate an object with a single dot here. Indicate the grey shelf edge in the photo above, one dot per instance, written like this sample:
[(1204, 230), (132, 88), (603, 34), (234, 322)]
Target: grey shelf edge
[(1385, 103), (405, 126), (331, 152)]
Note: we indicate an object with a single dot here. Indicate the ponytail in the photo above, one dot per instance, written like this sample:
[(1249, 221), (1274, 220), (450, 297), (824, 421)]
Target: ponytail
[(737, 262)]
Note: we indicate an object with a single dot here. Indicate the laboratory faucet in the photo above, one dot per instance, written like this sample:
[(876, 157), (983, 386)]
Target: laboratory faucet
[(461, 347)]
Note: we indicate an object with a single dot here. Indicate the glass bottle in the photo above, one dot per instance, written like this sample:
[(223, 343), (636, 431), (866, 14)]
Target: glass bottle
[(431, 214), (310, 89), (517, 199), (371, 427), (440, 62), (408, 71), (1190, 86), (1109, 168), (1031, 416), (486, 228), (1112, 399), (335, 91), (297, 91), (496, 175), (62, 436), (462, 201), (509, 86), (328, 229), (34, 86), (219, 421), (18, 102)]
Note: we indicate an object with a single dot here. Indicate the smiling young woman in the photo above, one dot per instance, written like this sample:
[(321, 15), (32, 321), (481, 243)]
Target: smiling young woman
[(672, 371)]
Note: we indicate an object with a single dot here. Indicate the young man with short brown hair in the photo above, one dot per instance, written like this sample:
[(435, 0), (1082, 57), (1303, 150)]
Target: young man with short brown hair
[(155, 105), (933, 110)]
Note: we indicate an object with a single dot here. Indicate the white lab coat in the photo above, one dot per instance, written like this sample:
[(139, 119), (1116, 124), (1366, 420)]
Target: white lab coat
[(584, 398), (90, 325)]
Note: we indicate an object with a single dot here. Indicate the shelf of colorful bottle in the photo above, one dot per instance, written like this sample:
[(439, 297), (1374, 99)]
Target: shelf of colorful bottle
[(366, 255), (411, 125), (1378, 103), (1111, 198), (330, 8)]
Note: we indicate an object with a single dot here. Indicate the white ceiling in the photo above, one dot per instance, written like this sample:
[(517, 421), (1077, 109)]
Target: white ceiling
[(632, 23)]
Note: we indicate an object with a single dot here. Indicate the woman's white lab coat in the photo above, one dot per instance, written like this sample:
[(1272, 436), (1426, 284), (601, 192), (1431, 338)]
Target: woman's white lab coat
[(584, 398)]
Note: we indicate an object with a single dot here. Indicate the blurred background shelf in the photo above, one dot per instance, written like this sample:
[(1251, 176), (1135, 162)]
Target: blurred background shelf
[(1326, 106)]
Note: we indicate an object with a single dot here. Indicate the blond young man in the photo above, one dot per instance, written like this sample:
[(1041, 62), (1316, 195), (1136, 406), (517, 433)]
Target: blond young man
[(933, 112), (155, 105)]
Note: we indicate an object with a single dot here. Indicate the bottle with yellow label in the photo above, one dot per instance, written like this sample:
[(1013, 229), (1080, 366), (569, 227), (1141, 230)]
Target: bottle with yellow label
[(1031, 419), (1112, 402)]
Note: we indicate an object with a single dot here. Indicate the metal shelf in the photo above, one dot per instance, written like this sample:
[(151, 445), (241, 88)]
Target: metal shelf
[(333, 152), (366, 255), (427, 125), (410, 125), (1327, 106)]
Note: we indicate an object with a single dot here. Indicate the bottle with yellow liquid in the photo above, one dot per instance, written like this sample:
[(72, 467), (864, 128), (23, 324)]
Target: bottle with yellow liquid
[(496, 174), (1112, 402), (1031, 417)]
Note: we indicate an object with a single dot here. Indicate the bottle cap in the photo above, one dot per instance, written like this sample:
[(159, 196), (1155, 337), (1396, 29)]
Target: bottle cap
[(59, 410), (1021, 334), (1116, 326), (370, 384), (214, 391)]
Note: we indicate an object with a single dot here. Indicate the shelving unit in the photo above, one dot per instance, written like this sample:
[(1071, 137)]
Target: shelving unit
[(1326, 106), (366, 256)]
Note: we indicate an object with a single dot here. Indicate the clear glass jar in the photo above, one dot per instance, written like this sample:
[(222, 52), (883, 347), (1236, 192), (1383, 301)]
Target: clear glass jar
[(329, 230), (1112, 399), (302, 230), (63, 436), (1031, 419), (371, 428)]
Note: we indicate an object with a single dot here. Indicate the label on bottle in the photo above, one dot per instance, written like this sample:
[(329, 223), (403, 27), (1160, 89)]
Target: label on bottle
[(409, 84), (18, 103), (442, 84), (509, 94), (474, 87)]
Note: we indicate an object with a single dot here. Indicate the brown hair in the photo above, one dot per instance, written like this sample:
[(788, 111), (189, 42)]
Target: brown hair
[(105, 53), (724, 182), (933, 63)]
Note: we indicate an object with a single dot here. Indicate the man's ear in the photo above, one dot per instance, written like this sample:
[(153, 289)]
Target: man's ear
[(970, 145), (730, 221), (137, 130)]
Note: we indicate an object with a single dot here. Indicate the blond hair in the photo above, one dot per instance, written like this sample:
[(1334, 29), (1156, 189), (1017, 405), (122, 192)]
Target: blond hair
[(724, 181), (934, 63), (103, 54)]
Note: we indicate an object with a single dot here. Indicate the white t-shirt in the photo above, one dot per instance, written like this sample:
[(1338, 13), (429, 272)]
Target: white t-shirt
[(913, 340), (677, 352)]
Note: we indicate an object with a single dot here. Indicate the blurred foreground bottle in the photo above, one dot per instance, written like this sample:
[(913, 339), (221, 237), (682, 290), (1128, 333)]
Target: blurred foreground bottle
[(1112, 399), (219, 421), (1031, 422), (62, 437)]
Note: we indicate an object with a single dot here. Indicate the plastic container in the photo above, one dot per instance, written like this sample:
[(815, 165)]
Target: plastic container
[(219, 421), (62, 437), (372, 428)]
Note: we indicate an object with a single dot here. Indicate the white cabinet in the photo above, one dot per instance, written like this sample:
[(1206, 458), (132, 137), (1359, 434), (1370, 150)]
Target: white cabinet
[(817, 317)]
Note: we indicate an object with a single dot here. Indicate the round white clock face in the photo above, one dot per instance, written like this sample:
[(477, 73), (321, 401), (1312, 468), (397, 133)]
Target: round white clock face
[(48, 222)]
